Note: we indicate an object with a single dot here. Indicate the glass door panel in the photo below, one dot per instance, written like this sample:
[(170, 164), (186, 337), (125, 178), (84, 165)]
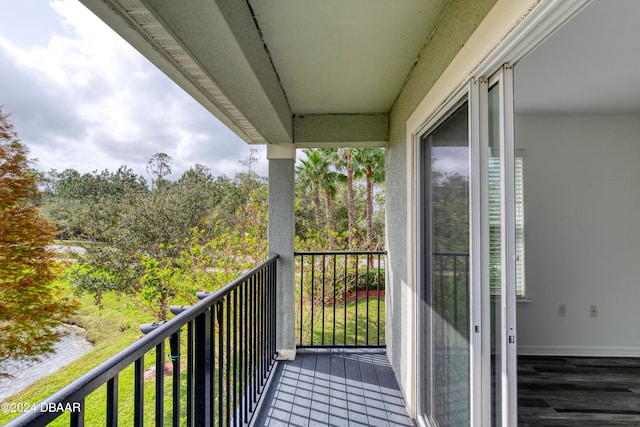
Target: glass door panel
[(499, 292), (445, 290), (495, 253)]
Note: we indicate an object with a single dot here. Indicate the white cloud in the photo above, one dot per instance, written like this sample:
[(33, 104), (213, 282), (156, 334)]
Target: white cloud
[(87, 100)]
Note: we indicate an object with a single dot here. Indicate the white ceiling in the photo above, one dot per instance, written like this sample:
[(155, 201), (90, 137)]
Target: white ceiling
[(336, 56), (589, 66)]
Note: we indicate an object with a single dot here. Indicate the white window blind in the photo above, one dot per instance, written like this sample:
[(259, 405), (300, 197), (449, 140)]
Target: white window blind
[(495, 229), (519, 199)]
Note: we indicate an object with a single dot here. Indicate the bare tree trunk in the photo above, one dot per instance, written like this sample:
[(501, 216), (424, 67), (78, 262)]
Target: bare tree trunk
[(316, 209), (329, 229), (369, 173), (164, 306), (351, 206)]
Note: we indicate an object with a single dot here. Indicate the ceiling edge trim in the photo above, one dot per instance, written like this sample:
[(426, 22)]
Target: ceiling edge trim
[(141, 20)]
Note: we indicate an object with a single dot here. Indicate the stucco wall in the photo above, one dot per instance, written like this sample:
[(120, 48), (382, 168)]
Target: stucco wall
[(460, 20), (582, 234)]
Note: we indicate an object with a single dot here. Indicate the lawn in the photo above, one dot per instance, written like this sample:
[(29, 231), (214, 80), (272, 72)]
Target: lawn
[(110, 329), (340, 324), (116, 326)]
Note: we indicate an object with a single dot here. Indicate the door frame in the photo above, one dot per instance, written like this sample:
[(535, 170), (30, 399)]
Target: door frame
[(450, 107), (542, 20), (503, 77), (475, 93)]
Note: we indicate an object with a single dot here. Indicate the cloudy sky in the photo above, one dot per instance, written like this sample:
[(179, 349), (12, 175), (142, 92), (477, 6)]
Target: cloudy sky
[(80, 97)]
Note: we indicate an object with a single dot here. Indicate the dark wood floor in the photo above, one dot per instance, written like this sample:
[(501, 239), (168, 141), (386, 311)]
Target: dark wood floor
[(578, 391), (334, 388)]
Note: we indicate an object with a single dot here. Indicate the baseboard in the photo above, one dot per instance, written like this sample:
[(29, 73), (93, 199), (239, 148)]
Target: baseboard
[(570, 350)]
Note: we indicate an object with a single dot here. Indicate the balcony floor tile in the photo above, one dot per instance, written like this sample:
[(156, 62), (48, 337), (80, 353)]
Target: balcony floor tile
[(334, 387)]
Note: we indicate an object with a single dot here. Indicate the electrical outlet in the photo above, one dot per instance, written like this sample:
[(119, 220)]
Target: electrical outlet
[(562, 310), (593, 311)]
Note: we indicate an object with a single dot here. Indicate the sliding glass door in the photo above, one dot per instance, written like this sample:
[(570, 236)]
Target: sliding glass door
[(499, 291), (466, 333), (445, 293)]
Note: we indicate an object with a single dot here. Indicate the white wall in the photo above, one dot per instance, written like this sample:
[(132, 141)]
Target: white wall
[(582, 225)]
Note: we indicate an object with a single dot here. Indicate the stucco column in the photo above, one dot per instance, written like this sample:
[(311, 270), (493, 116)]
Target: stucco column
[(281, 239)]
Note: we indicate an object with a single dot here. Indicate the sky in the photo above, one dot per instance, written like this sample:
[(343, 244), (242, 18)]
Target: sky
[(81, 97)]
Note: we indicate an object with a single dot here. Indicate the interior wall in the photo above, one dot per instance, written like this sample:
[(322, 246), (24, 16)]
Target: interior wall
[(582, 234)]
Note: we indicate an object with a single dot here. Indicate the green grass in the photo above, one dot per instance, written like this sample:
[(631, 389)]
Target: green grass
[(116, 326), (343, 332), (111, 329)]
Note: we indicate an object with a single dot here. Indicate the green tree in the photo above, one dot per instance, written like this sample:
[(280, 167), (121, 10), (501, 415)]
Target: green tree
[(451, 212), (30, 307), (373, 161), (159, 165), (85, 206), (309, 174), (328, 184), (315, 173), (168, 242), (346, 161)]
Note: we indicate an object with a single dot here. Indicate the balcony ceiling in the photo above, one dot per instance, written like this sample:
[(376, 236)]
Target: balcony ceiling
[(336, 56), (260, 65)]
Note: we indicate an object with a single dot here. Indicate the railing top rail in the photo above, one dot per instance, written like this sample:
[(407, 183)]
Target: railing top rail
[(451, 253), (102, 373), (383, 252)]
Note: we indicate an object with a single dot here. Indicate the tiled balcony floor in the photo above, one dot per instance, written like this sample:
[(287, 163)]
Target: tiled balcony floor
[(334, 388)]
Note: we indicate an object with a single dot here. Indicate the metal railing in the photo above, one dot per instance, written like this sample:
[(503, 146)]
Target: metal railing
[(340, 299), (450, 282), (230, 351)]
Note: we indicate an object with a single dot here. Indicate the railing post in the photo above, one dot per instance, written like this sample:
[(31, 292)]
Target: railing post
[(77, 417), (190, 374), (160, 355), (138, 398), (202, 369), (112, 402), (174, 345), (281, 241)]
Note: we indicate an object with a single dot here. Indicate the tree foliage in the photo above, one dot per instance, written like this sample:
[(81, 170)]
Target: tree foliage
[(84, 206), (177, 238), (350, 216), (30, 307), (162, 243), (159, 166)]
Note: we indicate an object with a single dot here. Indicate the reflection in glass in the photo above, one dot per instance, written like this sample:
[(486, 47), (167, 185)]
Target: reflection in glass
[(495, 254), (445, 294)]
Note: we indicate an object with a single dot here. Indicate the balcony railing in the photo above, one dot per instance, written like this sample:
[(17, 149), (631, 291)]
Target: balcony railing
[(340, 299), (229, 354), (450, 280)]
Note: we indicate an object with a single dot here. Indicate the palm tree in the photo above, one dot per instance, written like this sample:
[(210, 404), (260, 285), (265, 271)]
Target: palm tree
[(373, 161), (328, 180), (315, 172), (345, 160), (309, 172)]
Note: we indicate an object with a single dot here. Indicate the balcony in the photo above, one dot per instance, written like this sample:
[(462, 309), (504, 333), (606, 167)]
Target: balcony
[(334, 387), (221, 354)]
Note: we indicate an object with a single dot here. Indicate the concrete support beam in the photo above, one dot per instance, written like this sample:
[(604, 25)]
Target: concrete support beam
[(281, 240), (341, 130)]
